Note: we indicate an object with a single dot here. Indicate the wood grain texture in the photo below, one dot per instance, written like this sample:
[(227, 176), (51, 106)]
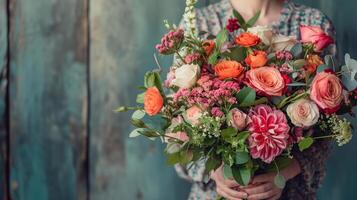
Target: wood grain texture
[(123, 35), (3, 97), (48, 99)]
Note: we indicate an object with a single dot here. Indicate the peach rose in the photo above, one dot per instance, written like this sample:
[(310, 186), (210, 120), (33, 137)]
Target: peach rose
[(208, 46), (327, 92), (256, 59), (247, 39), (182, 136), (312, 62), (193, 115), (266, 80), (316, 36), (303, 113), (153, 101), (238, 119), (228, 69)]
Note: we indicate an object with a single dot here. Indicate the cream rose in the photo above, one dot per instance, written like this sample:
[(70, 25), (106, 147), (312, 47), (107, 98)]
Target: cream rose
[(303, 113), (186, 76), (282, 42), (238, 119), (265, 33)]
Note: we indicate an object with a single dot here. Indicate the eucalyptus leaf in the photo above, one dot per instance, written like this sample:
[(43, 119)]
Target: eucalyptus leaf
[(138, 114), (322, 68), (305, 143), (135, 132), (330, 62), (280, 181), (138, 123), (149, 133), (296, 50)]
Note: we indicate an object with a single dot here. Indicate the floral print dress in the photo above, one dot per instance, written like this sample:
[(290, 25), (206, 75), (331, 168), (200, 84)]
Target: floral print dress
[(212, 19)]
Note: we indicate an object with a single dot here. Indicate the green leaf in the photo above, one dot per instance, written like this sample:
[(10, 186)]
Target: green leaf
[(305, 143), (222, 37), (212, 164), (282, 162), (237, 53), (186, 156), (139, 114), (149, 133), (243, 136), (227, 172), (135, 132), (158, 82), (149, 79), (297, 64), (262, 100), (173, 158), (329, 61), (246, 97), (296, 50), (212, 59), (138, 123), (228, 133), (242, 174), (322, 68), (242, 157), (253, 20), (280, 181), (240, 19), (121, 109), (140, 98)]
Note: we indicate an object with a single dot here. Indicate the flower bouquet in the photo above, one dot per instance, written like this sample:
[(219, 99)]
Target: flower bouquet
[(245, 99)]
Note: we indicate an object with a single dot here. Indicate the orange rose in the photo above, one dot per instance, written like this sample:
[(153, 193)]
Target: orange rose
[(312, 62), (266, 81), (256, 59), (208, 46), (153, 101), (228, 69), (247, 40)]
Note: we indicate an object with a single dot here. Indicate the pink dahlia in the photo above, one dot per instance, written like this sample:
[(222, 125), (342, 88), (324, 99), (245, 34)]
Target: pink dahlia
[(269, 133)]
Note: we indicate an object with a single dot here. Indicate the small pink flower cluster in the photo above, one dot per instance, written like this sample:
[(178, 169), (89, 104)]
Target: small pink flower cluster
[(191, 58), (171, 41), (209, 92), (283, 55)]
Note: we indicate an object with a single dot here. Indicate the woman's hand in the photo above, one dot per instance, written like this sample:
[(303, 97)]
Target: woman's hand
[(225, 186), (264, 186)]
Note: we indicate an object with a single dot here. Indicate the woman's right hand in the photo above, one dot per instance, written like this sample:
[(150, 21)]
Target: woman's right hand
[(224, 187)]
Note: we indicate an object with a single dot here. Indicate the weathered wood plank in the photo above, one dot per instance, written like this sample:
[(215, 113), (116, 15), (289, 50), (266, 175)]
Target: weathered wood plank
[(123, 35), (3, 96), (48, 99)]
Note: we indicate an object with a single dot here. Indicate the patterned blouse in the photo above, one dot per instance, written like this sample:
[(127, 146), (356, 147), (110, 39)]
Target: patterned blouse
[(211, 19)]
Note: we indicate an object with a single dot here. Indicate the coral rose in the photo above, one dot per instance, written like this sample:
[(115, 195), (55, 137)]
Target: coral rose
[(266, 80), (208, 46), (256, 59), (269, 133), (312, 62), (316, 36), (193, 115), (238, 119), (247, 39), (153, 101), (327, 92), (303, 113), (228, 69)]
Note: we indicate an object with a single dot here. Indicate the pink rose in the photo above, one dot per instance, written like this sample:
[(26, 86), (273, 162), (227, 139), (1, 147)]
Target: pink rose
[(182, 136), (238, 119), (193, 115), (269, 133), (316, 36), (326, 91), (266, 80)]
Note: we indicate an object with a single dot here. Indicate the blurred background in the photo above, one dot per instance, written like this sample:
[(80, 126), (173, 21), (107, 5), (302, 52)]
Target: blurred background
[(67, 64)]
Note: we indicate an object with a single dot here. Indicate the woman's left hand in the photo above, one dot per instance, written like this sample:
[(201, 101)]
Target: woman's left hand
[(263, 186)]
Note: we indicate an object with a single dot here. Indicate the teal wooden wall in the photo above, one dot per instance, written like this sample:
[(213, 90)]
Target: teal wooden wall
[(66, 64)]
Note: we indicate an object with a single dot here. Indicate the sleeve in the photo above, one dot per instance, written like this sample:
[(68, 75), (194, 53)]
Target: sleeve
[(313, 160)]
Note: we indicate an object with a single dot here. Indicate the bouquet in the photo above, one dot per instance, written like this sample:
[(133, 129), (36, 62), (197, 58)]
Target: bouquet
[(245, 99)]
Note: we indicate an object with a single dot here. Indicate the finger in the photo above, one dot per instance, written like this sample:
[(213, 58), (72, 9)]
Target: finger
[(276, 197), (264, 195), (224, 194), (259, 189), (234, 193), (263, 178), (230, 183)]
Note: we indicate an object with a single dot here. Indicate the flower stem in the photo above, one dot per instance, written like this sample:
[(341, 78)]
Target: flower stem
[(180, 57), (325, 136)]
